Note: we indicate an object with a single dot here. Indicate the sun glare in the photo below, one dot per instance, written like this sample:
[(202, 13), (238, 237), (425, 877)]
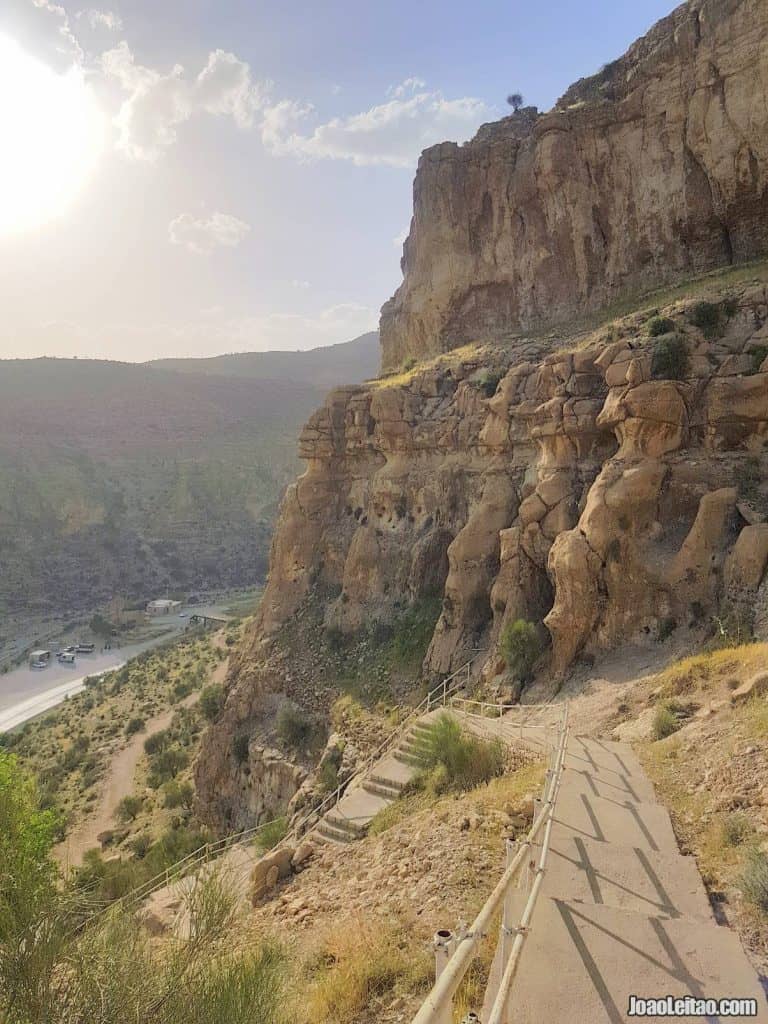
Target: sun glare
[(52, 134)]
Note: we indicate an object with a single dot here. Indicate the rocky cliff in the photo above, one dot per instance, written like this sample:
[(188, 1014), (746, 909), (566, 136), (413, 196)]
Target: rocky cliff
[(607, 485), (653, 170)]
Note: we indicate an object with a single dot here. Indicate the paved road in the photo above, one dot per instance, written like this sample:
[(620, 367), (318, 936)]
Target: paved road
[(26, 692)]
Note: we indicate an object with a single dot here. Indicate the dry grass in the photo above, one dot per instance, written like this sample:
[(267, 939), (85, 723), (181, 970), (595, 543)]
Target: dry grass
[(472, 351), (353, 969), (707, 671)]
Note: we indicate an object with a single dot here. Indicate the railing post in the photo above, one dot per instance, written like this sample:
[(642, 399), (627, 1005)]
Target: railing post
[(443, 946), (507, 922)]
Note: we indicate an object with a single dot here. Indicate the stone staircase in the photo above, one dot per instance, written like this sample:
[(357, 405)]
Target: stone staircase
[(621, 911), (350, 818)]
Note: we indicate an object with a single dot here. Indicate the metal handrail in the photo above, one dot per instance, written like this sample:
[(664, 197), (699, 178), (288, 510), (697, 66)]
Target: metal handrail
[(439, 695), (498, 1012), (437, 1006)]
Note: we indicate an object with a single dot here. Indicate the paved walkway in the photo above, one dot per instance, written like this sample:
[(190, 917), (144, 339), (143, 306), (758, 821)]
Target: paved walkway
[(621, 912)]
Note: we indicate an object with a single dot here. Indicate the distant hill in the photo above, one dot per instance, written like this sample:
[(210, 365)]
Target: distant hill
[(141, 479), (347, 363)]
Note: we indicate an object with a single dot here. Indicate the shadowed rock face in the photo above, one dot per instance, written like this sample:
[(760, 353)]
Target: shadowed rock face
[(581, 490), (651, 171), (600, 486)]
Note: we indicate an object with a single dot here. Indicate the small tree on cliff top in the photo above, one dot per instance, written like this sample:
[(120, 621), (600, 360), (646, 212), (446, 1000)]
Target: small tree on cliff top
[(515, 100)]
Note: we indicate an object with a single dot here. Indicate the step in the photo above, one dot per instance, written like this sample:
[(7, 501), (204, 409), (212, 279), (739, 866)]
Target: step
[(392, 772), (335, 835), (603, 955), (406, 758), (378, 788), (627, 877), (355, 810), (626, 823)]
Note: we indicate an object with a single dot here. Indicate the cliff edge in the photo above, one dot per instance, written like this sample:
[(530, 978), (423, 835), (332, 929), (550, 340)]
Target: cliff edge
[(654, 170)]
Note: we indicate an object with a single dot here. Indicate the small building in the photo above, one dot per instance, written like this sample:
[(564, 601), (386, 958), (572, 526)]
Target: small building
[(162, 606), (39, 659)]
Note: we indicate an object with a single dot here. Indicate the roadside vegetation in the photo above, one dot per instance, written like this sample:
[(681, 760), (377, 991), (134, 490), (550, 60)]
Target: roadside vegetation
[(64, 964), (71, 748)]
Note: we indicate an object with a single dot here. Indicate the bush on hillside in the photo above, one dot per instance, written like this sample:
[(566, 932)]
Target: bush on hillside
[(670, 359), (666, 720), (520, 647), (753, 880), (660, 325), (128, 808), (272, 834), (134, 725), (454, 760), (211, 702)]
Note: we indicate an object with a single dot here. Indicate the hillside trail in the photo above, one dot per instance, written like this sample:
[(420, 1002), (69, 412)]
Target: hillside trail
[(119, 782)]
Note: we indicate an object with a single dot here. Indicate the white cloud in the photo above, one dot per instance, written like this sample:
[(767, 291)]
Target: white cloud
[(410, 85), (203, 235), (102, 19), (392, 133), (42, 28), (159, 103)]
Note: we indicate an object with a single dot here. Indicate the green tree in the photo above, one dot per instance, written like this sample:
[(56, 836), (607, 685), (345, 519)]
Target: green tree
[(27, 889), (212, 701), (520, 647)]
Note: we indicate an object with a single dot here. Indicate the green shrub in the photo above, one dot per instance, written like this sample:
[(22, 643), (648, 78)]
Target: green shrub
[(670, 359), (328, 777), (710, 317), (165, 765), (294, 727), (454, 760), (156, 742), (128, 808), (520, 647), (489, 382), (240, 748), (134, 725), (735, 829), (271, 834), (753, 880), (409, 364), (412, 630), (178, 794), (211, 702), (660, 325), (666, 720)]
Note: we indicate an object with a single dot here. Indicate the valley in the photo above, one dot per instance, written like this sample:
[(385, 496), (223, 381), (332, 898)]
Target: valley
[(480, 730)]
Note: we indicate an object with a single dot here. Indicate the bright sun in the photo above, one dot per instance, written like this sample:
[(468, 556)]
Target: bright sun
[(52, 134)]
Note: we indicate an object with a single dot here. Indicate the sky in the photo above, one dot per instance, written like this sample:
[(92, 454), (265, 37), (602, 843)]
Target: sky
[(194, 177)]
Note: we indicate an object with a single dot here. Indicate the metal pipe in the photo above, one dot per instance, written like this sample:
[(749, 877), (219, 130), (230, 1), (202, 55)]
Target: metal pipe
[(498, 1012)]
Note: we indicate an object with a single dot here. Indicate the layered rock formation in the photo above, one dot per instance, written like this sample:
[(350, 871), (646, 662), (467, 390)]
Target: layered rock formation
[(587, 492), (609, 487), (655, 169)]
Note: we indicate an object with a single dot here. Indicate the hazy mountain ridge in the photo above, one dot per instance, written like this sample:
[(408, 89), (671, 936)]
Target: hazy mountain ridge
[(136, 479), (345, 363)]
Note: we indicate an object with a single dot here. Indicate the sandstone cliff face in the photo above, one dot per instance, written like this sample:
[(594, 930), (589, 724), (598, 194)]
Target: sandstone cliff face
[(587, 492), (609, 487), (653, 170)]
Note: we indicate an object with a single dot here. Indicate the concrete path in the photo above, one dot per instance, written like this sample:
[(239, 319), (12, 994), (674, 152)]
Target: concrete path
[(621, 912)]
